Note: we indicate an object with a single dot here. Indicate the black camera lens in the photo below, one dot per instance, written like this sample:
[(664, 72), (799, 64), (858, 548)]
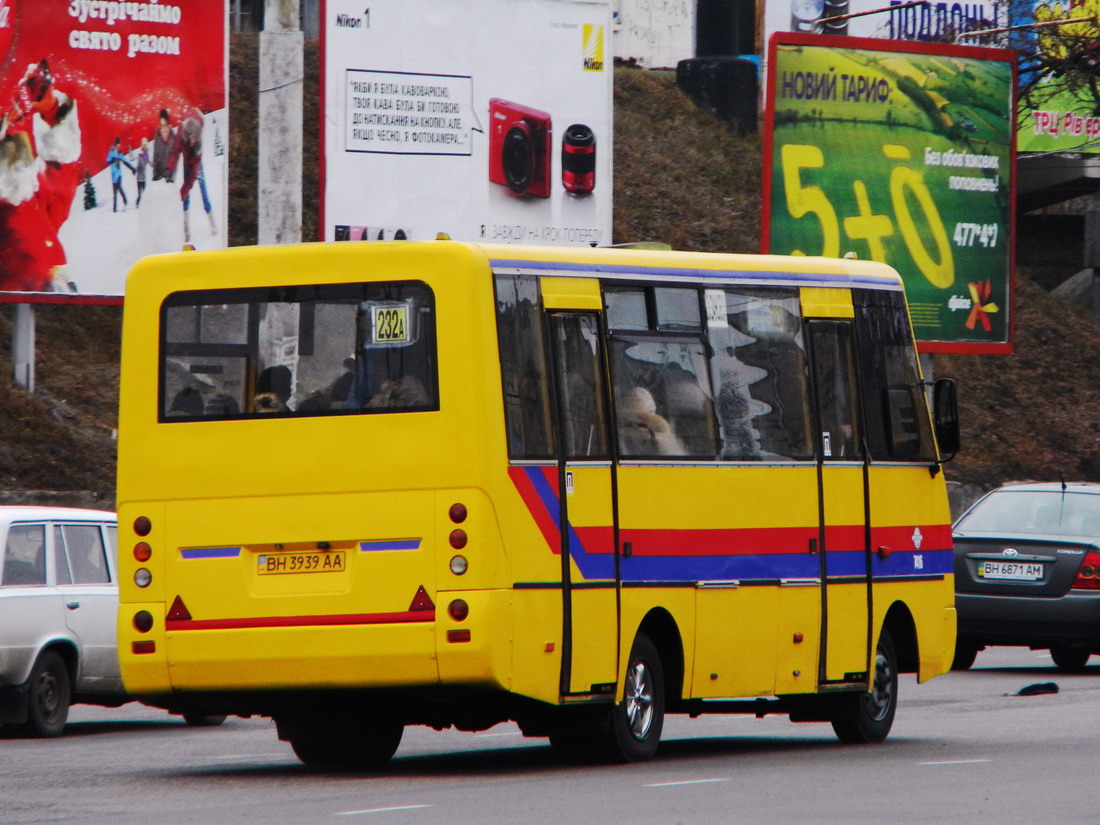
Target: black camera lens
[(518, 158), (578, 159)]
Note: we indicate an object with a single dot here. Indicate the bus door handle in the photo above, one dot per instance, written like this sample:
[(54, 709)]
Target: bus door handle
[(813, 546), (628, 549)]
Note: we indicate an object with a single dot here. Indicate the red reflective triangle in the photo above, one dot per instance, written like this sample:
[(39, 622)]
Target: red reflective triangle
[(179, 611), (421, 601)]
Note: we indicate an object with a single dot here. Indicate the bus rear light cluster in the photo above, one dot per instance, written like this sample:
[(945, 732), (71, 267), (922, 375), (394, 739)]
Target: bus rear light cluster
[(142, 551), (458, 538), (1088, 577), (142, 526), (458, 610)]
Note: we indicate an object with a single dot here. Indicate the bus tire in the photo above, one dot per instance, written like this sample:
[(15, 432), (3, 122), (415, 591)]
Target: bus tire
[(373, 748), (48, 696), (635, 727), (203, 720), (863, 718)]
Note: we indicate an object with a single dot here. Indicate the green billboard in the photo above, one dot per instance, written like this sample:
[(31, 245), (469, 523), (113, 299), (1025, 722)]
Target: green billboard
[(901, 153)]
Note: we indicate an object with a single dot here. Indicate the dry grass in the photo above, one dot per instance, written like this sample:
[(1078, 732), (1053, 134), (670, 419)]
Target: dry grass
[(682, 177)]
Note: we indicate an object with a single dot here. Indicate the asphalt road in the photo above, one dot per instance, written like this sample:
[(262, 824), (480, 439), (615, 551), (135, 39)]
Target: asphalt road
[(965, 748)]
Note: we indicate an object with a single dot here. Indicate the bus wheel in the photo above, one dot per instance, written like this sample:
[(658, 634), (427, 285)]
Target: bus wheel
[(636, 722), (867, 717), (49, 695), (203, 720), (374, 747)]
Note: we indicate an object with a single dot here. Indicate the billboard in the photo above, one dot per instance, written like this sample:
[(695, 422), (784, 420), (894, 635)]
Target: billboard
[(935, 21), (113, 137), (904, 154), (1059, 97), (486, 120)]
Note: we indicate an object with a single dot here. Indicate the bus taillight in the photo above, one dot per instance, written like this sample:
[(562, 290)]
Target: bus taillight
[(458, 610), (142, 526), (458, 539), (142, 551), (457, 513)]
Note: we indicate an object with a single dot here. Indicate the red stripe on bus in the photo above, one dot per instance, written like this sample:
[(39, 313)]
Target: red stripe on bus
[(302, 621)]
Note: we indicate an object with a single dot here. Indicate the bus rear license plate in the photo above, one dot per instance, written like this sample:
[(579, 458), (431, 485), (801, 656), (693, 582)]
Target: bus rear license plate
[(1010, 571), (332, 561)]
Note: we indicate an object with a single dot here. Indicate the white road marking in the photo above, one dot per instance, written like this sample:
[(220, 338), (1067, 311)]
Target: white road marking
[(684, 782), (957, 762), (382, 810)]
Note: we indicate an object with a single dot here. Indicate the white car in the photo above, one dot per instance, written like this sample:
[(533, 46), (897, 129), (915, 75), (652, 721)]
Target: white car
[(58, 612)]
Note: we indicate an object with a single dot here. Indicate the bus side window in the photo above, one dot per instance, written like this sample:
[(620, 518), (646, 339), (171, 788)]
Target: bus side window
[(897, 420), (523, 365), (759, 368), (663, 396)]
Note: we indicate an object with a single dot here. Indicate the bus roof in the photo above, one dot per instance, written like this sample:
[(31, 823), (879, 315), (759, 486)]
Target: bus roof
[(627, 264)]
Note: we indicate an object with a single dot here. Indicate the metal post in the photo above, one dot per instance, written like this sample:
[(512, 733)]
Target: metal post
[(22, 347), (280, 149), (1092, 250)]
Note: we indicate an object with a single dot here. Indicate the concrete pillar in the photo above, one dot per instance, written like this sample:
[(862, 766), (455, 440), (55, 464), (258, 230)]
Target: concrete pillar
[(280, 127), (22, 346)]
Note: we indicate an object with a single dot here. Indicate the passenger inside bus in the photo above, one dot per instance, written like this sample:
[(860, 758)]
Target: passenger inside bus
[(642, 431)]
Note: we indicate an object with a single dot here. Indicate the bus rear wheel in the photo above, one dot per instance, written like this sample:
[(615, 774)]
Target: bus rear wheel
[(637, 721), (863, 718), (627, 732), (372, 748)]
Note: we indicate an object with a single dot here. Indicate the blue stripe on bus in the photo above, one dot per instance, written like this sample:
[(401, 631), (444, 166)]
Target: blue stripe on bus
[(579, 269), (935, 563), (390, 544), (210, 552)]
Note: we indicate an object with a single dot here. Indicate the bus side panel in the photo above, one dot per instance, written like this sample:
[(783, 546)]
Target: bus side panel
[(710, 528), (741, 622), (911, 521), (537, 649), (846, 553)]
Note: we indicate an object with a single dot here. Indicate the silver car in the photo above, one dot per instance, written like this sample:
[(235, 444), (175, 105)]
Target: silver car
[(1027, 572), (58, 609)]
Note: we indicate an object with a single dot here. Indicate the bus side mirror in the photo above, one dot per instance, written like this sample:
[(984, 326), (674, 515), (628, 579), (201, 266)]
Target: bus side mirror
[(945, 417)]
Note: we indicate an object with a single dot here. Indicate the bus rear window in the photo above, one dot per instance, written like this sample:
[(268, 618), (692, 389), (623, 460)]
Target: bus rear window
[(303, 350)]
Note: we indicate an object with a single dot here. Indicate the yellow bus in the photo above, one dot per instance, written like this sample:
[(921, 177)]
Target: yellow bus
[(365, 486)]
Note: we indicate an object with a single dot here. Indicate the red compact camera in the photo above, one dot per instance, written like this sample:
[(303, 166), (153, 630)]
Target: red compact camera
[(519, 148)]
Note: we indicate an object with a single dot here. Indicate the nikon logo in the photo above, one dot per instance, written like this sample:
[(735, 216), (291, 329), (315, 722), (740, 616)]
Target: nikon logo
[(593, 48)]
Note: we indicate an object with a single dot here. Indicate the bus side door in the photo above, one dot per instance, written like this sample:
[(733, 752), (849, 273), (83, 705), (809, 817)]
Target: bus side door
[(845, 615), (589, 564)]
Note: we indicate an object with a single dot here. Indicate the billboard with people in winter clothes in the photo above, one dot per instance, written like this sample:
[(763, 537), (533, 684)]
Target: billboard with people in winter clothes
[(113, 139)]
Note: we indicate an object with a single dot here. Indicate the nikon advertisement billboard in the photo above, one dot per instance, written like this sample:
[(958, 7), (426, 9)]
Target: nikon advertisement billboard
[(487, 120), (900, 153)]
